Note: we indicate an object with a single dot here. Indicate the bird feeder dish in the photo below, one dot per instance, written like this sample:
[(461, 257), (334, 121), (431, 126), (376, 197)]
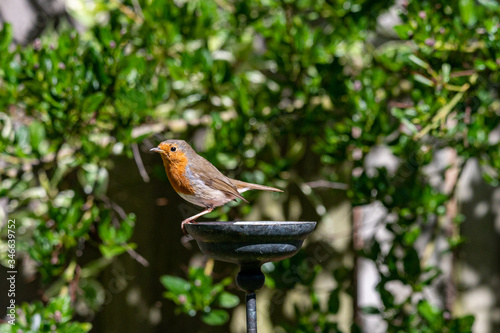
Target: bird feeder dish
[(250, 244)]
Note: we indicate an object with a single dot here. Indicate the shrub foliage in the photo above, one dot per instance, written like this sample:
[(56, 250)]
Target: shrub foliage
[(287, 92)]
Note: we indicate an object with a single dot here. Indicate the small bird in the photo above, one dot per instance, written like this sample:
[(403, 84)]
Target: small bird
[(196, 180)]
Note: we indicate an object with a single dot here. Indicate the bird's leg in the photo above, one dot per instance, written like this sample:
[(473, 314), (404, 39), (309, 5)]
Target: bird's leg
[(193, 218)]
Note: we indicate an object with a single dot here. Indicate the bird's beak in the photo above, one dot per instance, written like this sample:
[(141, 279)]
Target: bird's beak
[(156, 150)]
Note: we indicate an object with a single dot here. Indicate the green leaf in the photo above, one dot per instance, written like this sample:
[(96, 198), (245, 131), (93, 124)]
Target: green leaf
[(411, 264), (215, 317), (411, 235), (62, 304), (463, 324), (409, 125), (109, 251), (446, 68), (228, 300), (429, 312), (175, 284), (334, 301), (370, 310), (490, 4), (93, 293), (92, 102), (422, 79), (37, 134), (467, 12), (416, 60), (5, 36), (404, 31), (101, 185)]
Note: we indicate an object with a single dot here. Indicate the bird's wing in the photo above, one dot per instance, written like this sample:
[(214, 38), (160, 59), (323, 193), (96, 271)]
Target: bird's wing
[(214, 178)]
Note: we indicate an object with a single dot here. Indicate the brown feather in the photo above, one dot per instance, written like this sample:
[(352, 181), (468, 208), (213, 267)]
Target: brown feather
[(213, 177), (244, 186)]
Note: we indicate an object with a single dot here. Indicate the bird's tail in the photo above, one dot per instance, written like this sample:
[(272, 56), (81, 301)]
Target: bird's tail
[(243, 186)]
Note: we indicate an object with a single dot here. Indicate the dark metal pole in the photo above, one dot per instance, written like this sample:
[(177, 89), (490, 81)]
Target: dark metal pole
[(251, 312), (249, 279)]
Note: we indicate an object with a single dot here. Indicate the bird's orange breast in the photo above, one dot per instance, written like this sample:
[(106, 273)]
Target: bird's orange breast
[(175, 170)]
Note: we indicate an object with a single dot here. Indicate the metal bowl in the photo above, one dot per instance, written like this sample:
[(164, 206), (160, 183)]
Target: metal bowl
[(253, 242)]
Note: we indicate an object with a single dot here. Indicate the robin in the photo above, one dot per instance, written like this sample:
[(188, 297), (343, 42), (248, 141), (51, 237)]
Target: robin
[(196, 180)]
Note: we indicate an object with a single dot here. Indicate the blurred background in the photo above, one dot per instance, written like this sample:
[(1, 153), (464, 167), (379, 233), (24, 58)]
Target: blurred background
[(379, 119)]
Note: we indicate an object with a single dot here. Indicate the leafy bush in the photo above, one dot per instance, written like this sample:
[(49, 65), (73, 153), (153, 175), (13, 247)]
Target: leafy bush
[(283, 92), (55, 316), (199, 293)]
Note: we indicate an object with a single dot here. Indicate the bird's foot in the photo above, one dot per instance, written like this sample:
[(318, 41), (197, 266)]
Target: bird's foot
[(183, 225), (193, 218)]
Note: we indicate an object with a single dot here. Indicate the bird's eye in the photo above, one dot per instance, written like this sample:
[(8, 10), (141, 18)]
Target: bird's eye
[(172, 149)]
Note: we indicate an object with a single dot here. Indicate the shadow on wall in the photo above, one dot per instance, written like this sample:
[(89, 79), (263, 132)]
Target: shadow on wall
[(138, 305), (479, 258)]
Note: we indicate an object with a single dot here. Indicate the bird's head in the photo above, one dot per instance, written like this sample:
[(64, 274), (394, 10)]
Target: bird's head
[(173, 151)]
